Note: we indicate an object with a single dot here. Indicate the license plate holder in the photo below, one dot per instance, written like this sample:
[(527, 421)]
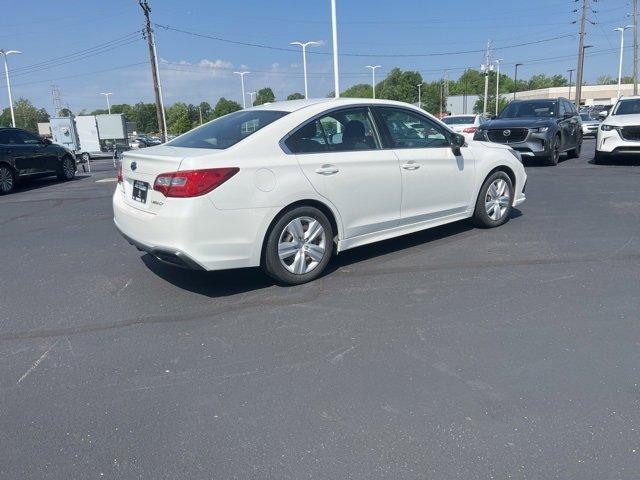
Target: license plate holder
[(140, 190)]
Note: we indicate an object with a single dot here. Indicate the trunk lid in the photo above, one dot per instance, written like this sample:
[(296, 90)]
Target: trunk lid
[(141, 167)]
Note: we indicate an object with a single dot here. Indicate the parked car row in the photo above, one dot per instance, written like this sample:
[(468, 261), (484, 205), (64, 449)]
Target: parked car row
[(619, 132)]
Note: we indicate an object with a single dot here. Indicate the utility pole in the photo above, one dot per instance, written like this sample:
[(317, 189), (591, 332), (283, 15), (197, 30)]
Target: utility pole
[(515, 80), (244, 97), (445, 90), (486, 69), (200, 110), (635, 47), (334, 36), (571, 70), (155, 74), (579, 73), (498, 84), (57, 103), (419, 95)]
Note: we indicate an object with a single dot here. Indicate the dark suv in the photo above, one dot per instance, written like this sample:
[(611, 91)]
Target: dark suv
[(537, 128), (24, 155)]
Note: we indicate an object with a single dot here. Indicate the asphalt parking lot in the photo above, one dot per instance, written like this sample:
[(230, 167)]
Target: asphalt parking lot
[(452, 353)]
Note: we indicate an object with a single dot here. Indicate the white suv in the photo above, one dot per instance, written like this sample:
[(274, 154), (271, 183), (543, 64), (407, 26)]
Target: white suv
[(619, 132)]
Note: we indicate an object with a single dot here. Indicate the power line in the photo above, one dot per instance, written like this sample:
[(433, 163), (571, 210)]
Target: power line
[(385, 55)]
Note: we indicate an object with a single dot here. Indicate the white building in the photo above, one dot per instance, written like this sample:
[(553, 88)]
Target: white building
[(590, 94)]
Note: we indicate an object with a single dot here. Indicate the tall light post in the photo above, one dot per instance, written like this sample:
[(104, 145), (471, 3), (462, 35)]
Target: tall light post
[(621, 30), (5, 54), (106, 95), (419, 94), (515, 80), (251, 94), (373, 77), (244, 98), (304, 46), (334, 30), (570, 71), (498, 84)]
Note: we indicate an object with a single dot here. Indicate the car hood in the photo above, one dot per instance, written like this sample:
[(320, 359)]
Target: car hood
[(622, 120), (518, 122)]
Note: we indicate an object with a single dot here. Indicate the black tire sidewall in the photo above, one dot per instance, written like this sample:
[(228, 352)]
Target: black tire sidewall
[(271, 261), (552, 160), (480, 216), (62, 175), (13, 176)]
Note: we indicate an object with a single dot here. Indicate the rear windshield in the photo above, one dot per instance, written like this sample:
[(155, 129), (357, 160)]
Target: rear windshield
[(628, 107), (530, 110), (458, 120), (585, 117), (226, 131)]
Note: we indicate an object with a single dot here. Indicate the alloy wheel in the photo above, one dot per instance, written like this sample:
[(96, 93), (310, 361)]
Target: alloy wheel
[(6, 180), (302, 245), (496, 202), (68, 169)]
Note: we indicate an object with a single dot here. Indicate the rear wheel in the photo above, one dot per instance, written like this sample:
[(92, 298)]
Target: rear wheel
[(554, 149), (67, 169), (493, 206), (299, 246), (575, 153), (7, 180)]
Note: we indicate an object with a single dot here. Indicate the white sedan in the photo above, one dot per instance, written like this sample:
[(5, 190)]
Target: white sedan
[(465, 124), (287, 185)]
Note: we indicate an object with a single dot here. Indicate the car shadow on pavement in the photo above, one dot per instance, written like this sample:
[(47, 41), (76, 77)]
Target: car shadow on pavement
[(231, 282), (37, 183), (621, 161)]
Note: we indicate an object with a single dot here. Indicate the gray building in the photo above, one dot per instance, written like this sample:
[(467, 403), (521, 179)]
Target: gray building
[(461, 104)]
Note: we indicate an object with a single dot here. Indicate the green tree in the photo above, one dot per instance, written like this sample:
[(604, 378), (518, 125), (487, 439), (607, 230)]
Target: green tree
[(295, 96), (265, 95), (399, 85), (27, 116), (65, 112), (360, 90), (207, 111), (491, 104), (178, 121), (224, 107)]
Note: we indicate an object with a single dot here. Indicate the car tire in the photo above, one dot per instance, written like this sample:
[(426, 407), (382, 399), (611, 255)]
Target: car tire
[(575, 153), (7, 179), (494, 202), (299, 245), (554, 148), (67, 169), (600, 158)]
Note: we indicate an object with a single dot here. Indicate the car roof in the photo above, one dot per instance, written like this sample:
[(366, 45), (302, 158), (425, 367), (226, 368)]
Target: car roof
[(293, 105)]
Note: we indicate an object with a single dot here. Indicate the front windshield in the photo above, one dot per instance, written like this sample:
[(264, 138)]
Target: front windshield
[(585, 117), (226, 131), (533, 109), (628, 107), (459, 120)]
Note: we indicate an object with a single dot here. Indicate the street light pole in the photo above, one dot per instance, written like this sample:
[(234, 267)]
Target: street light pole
[(334, 29), (515, 80), (621, 30), (498, 84), (5, 54), (571, 70), (373, 77), (304, 46), (244, 99), (251, 94), (419, 94), (106, 95)]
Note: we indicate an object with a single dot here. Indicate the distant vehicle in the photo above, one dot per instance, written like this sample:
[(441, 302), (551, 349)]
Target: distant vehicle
[(589, 125), (88, 136), (143, 141), (619, 132), (537, 128), (24, 155), (465, 124), (273, 186)]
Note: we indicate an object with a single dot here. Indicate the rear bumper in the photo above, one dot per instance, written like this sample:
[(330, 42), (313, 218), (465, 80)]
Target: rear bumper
[(193, 233)]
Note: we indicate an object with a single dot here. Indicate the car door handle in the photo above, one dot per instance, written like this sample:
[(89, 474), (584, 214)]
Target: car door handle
[(411, 166), (327, 170)]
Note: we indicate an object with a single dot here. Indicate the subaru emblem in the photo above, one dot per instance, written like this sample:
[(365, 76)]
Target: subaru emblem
[(506, 133), (134, 165)]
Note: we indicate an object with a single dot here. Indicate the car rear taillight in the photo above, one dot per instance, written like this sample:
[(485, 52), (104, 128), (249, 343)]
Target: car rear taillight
[(119, 173), (470, 130), (192, 183)]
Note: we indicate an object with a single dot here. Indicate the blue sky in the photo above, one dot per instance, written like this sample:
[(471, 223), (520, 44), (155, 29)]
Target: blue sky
[(428, 33)]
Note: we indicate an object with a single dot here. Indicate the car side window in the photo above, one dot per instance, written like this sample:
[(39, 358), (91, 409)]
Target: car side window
[(338, 131), (407, 129), (27, 138), (10, 137), (562, 109)]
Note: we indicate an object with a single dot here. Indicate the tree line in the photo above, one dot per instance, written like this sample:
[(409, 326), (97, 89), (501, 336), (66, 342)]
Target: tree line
[(398, 85)]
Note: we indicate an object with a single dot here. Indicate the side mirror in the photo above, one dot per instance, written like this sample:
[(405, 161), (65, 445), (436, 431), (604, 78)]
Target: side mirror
[(457, 142), (602, 115), (46, 141)]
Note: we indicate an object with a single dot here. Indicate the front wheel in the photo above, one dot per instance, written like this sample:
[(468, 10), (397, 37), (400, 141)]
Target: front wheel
[(554, 152), (67, 169), (493, 206), (575, 153), (299, 246), (7, 180)]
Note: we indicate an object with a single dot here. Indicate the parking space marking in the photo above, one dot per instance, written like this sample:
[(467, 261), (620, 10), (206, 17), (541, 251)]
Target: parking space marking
[(37, 362)]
